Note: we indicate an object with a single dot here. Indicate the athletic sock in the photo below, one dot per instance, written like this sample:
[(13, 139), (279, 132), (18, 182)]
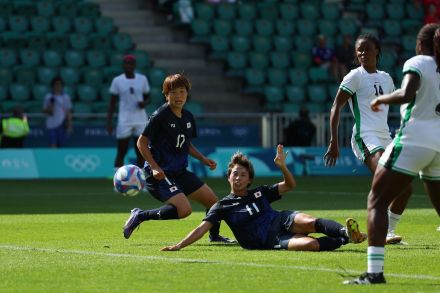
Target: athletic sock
[(329, 228), (215, 230), (393, 220), (165, 212), (330, 243), (376, 256)]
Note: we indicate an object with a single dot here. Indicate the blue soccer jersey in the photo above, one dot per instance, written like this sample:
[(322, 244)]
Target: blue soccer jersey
[(250, 217), (170, 138)]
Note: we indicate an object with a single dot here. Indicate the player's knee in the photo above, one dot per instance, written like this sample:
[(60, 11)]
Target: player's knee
[(184, 212), (377, 201)]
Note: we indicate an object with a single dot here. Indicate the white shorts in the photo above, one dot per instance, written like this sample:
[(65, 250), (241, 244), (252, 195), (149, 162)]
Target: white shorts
[(369, 144), (412, 160), (129, 130)]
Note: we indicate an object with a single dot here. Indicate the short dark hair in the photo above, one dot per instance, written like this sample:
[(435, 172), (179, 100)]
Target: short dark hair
[(372, 38), (56, 79), (174, 81), (239, 158), (429, 38)]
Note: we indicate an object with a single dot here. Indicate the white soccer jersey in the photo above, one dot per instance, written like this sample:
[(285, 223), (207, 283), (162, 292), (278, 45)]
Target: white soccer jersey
[(130, 91), (364, 87), (420, 120)]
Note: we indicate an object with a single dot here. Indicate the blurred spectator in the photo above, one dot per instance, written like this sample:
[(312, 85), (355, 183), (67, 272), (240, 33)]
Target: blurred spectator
[(14, 129), (58, 108), (186, 12), (179, 11), (344, 57), (301, 131), (324, 57), (432, 13), (132, 91)]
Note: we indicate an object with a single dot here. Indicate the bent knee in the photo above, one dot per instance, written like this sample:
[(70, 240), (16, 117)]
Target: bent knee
[(184, 212)]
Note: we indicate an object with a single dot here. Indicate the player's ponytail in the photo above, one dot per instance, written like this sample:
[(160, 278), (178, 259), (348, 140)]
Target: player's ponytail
[(436, 42)]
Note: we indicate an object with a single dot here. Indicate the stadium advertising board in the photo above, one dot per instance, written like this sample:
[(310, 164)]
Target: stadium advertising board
[(98, 162)]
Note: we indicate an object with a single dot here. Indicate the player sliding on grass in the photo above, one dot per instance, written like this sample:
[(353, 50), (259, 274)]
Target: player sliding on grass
[(257, 226)]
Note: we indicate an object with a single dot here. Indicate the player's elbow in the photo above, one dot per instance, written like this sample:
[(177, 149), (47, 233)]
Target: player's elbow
[(141, 142), (287, 186), (291, 185)]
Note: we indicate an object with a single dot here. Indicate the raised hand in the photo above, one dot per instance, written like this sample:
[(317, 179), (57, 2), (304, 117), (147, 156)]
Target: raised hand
[(280, 158)]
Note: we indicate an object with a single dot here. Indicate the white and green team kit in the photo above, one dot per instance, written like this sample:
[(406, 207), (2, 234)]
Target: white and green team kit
[(416, 146), (370, 131)]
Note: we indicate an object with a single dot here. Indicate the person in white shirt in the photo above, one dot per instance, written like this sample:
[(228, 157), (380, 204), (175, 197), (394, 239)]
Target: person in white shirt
[(415, 150), (132, 89), (370, 132)]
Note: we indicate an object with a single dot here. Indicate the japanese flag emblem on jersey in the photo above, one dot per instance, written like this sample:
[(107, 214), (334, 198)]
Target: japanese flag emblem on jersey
[(257, 194), (188, 125)]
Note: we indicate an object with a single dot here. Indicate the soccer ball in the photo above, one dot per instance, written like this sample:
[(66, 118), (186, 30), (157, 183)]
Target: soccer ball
[(129, 180)]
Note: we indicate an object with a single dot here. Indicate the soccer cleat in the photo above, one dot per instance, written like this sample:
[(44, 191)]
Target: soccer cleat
[(353, 233), (367, 279), (132, 223), (221, 239), (393, 238)]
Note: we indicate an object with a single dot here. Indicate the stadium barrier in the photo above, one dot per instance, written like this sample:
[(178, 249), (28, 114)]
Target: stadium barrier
[(214, 129), (73, 163)]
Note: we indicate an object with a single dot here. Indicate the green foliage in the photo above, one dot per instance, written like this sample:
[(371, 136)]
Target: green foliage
[(66, 236)]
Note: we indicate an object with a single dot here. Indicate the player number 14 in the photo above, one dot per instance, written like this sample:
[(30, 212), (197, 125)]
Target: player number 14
[(378, 91)]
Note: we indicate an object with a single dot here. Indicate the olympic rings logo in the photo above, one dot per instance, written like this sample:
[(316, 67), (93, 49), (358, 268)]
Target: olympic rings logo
[(79, 163)]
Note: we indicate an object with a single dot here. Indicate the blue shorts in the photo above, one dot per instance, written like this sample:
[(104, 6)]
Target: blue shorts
[(178, 182), (57, 135), (279, 233)]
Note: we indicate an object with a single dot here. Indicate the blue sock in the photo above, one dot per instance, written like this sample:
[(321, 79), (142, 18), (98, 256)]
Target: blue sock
[(330, 243), (165, 212), (329, 228)]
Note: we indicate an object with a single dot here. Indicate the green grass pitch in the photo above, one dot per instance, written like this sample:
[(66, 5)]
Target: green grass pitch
[(66, 236)]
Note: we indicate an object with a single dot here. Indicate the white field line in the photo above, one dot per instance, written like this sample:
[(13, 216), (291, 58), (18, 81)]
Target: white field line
[(203, 261)]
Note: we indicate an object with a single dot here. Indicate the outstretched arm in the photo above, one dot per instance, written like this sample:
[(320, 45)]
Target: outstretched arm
[(192, 237), (332, 153), (406, 93), (289, 182), (194, 152)]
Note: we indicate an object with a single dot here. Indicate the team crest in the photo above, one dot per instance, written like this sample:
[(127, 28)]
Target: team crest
[(173, 125), (188, 125), (257, 194)]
